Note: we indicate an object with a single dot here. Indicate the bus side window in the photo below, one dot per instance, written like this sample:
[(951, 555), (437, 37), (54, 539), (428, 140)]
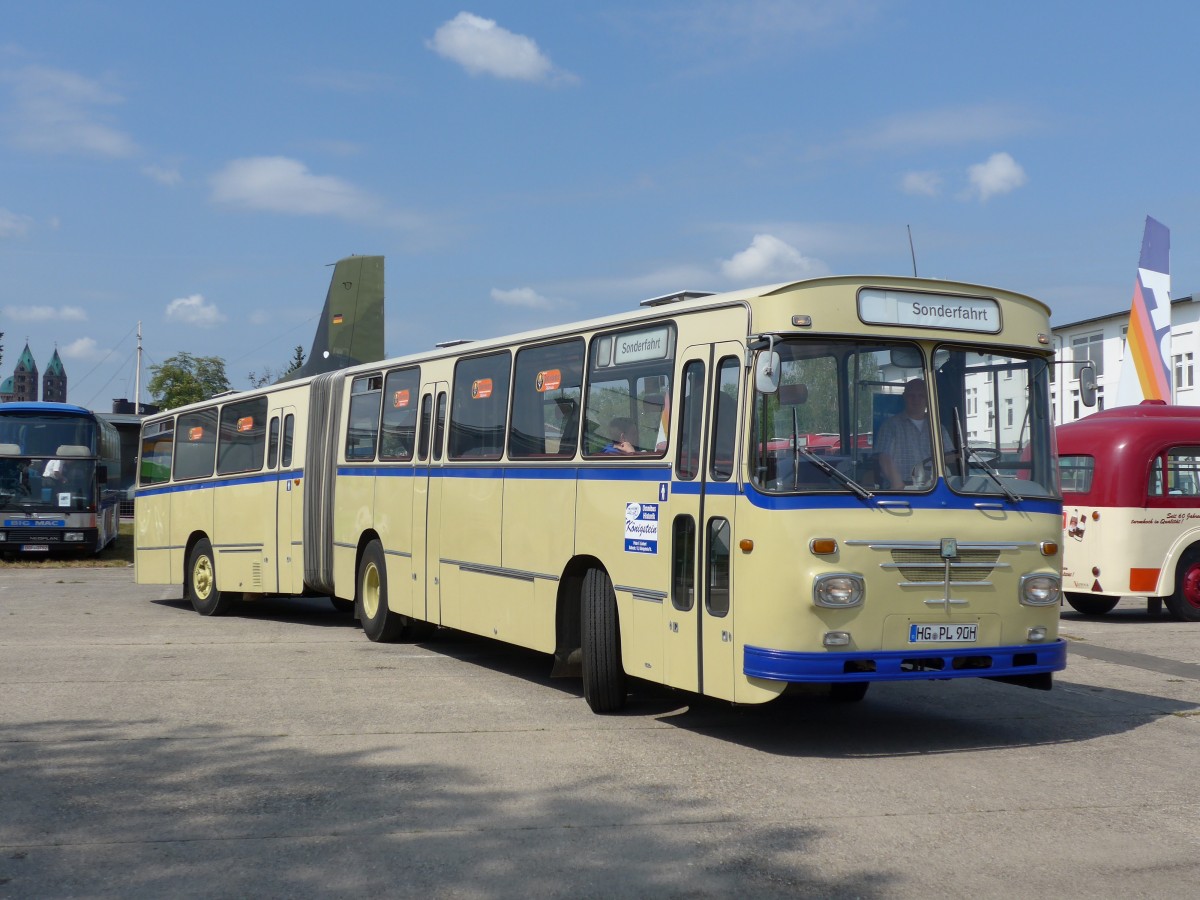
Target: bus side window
[(195, 452), (242, 436), (547, 387), (158, 441), (426, 421), (439, 426), (480, 408), (362, 426), (273, 442), (691, 420), (398, 437), (683, 562), (289, 427), (724, 420)]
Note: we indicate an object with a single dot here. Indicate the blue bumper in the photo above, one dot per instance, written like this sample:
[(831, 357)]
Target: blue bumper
[(917, 664)]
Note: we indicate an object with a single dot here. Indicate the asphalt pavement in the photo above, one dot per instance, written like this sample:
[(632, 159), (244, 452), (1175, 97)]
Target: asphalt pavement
[(146, 751)]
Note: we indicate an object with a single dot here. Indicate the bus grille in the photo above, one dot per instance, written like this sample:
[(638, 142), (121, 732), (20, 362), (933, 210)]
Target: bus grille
[(926, 566), (34, 535)]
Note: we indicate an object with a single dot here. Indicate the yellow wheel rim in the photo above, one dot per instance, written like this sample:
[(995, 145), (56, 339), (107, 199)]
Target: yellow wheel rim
[(370, 591), (202, 577)]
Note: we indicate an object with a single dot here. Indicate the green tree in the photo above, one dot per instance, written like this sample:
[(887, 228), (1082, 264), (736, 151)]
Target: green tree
[(297, 360), (269, 376), (183, 379)]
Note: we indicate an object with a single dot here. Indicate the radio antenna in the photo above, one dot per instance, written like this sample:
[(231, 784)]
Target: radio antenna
[(912, 251)]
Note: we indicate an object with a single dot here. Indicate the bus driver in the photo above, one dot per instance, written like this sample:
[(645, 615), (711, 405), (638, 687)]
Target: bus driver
[(904, 442)]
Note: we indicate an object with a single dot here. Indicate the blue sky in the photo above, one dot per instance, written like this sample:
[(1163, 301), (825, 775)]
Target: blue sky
[(197, 167)]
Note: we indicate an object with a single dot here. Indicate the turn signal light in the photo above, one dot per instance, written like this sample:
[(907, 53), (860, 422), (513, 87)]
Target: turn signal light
[(823, 546)]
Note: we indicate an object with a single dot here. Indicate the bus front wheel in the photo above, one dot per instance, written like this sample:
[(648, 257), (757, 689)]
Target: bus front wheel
[(1092, 604), (370, 597), (200, 588), (1184, 604), (603, 673)]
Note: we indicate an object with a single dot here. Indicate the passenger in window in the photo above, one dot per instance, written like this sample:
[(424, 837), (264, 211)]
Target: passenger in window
[(904, 443), (620, 431)]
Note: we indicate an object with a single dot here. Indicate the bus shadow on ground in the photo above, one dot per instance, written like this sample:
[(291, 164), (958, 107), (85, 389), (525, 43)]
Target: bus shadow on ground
[(895, 719), (317, 612), (210, 812)]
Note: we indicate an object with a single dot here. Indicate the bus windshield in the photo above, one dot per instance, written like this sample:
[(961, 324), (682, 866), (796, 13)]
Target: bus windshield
[(856, 416), (47, 462), (995, 407)]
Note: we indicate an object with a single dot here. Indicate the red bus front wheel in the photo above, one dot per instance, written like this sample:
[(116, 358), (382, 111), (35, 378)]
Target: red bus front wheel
[(1184, 604)]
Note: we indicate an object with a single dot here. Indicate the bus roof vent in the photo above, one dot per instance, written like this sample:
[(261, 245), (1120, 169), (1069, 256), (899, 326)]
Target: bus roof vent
[(442, 345), (675, 298)]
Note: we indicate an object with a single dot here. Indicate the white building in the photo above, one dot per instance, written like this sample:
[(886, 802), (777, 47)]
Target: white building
[(1102, 340)]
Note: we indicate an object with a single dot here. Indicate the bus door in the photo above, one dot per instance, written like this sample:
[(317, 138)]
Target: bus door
[(426, 503), (699, 644), (280, 443)]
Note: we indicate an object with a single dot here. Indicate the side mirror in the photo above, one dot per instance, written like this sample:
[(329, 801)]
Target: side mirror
[(1087, 383), (766, 372)]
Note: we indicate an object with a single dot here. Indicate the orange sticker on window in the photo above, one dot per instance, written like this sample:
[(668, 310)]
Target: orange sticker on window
[(481, 388), (400, 399), (245, 423), (550, 380), (196, 433)]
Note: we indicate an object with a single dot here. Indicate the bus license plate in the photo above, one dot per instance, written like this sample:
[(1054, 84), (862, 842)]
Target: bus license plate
[(35, 548), (942, 634)]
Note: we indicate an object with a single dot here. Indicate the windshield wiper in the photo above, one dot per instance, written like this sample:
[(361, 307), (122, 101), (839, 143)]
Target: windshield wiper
[(972, 453), (834, 472)]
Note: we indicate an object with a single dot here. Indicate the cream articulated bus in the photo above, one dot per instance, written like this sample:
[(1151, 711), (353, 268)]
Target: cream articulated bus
[(835, 481)]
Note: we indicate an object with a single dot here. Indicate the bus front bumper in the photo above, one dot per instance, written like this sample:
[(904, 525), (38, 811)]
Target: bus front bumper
[(922, 664)]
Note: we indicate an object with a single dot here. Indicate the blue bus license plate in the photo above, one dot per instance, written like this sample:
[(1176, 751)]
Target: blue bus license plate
[(942, 634)]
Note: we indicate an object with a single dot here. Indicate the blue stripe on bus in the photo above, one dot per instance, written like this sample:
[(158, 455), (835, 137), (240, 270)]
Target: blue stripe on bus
[(183, 486), (939, 498), (789, 666), (530, 473)]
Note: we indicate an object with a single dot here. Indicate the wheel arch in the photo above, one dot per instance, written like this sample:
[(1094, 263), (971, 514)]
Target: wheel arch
[(568, 636)]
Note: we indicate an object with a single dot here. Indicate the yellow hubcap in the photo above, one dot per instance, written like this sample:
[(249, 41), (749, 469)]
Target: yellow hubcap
[(202, 577), (370, 591)]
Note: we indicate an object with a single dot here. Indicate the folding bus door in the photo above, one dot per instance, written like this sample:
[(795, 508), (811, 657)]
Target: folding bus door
[(699, 643), (426, 503)]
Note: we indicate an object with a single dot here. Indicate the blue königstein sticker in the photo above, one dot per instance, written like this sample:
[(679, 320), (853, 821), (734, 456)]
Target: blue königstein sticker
[(641, 528)]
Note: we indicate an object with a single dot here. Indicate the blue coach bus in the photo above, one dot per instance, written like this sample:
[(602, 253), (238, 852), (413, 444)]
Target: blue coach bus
[(57, 462)]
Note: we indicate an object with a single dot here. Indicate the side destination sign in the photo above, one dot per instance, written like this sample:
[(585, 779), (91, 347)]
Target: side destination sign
[(881, 307)]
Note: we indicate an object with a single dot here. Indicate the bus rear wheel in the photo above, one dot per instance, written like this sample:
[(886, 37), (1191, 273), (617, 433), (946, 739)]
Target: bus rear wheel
[(1092, 604), (200, 587), (603, 672), (1184, 604), (370, 597)]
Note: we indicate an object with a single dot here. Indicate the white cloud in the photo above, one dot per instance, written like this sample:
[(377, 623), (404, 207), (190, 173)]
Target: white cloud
[(194, 310), (163, 175), (769, 258), (924, 184), (57, 111), (482, 47), (283, 185), (85, 348), (45, 313), (1000, 174), (523, 297), (13, 225)]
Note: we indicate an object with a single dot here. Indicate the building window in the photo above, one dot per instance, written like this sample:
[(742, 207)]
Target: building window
[(1089, 346), (1182, 363)]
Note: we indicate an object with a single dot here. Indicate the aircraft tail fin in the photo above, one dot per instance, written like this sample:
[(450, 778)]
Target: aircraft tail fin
[(1144, 371), (350, 330)]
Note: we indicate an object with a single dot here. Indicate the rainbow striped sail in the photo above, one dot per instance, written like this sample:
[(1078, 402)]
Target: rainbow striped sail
[(1144, 371)]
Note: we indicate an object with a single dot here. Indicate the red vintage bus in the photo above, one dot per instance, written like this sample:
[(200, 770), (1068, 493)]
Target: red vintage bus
[(1131, 508)]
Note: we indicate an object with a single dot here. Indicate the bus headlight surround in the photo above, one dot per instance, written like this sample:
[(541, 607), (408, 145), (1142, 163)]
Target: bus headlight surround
[(1040, 590), (839, 590), (75, 537)]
